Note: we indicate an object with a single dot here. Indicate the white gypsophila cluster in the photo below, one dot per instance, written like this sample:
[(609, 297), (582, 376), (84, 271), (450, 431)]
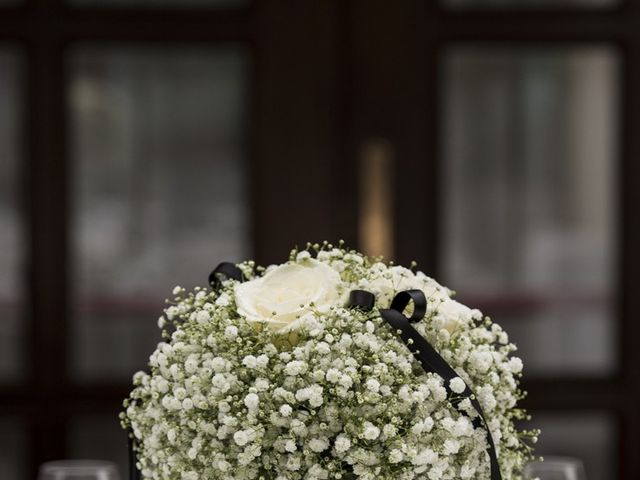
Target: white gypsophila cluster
[(276, 378)]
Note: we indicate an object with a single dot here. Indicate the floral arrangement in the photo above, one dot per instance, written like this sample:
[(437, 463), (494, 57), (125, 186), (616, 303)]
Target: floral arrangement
[(277, 377)]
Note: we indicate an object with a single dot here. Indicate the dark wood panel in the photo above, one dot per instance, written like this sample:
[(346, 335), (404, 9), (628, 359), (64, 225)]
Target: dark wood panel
[(202, 23), (47, 263), (125, 24), (295, 143), (629, 258), (393, 73)]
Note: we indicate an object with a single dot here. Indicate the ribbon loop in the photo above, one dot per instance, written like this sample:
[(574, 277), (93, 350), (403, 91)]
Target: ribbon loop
[(362, 299), (402, 299), (225, 271)]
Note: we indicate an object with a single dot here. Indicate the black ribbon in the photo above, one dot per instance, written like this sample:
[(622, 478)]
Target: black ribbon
[(225, 271), (362, 299), (427, 356)]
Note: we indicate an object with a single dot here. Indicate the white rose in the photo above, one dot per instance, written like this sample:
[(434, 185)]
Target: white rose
[(276, 297)]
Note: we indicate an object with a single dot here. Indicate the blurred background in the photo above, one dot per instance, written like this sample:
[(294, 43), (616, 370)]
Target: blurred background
[(144, 141)]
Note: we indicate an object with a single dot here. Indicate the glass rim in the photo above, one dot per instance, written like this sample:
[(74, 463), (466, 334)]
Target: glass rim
[(76, 465)]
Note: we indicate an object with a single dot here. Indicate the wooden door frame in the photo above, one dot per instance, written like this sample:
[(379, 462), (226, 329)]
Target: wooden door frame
[(396, 57), (294, 142), (328, 75)]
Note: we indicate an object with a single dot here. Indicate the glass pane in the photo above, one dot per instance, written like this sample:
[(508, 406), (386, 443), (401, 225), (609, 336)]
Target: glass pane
[(159, 190), (511, 4), (12, 450), (11, 239), (161, 3), (530, 153), (591, 437), (99, 437)]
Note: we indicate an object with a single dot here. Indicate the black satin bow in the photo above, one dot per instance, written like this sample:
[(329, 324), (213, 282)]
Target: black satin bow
[(427, 356)]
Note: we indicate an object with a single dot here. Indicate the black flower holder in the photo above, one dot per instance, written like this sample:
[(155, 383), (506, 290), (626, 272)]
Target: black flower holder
[(430, 360)]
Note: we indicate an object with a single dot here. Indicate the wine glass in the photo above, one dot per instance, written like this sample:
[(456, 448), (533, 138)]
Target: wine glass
[(78, 470), (556, 468)]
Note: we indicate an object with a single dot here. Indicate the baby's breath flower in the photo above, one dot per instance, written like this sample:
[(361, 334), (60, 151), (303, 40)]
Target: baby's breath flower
[(342, 443), (370, 431), (251, 401), (231, 332), (457, 385)]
